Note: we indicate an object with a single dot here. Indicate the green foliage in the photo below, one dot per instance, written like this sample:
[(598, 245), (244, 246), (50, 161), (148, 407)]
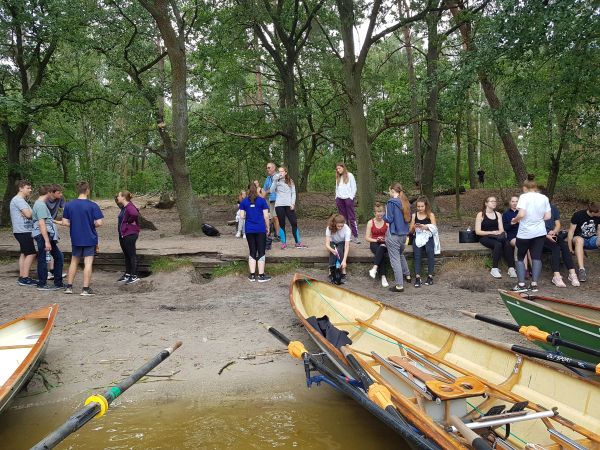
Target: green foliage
[(169, 264), (241, 268)]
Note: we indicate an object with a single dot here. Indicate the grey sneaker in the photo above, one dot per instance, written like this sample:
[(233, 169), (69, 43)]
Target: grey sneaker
[(520, 288), (533, 287), (582, 275), (132, 279), (123, 278), (87, 292), (68, 288), (48, 287), (252, 277), (262, 278)]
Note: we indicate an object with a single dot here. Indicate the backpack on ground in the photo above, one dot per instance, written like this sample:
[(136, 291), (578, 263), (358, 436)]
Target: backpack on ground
[(209, 230)]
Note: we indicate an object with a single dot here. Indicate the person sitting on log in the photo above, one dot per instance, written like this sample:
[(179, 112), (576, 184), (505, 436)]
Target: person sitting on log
[(375, 236), (583, 234)]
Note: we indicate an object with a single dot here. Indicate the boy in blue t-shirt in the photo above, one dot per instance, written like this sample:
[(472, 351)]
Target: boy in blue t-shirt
[(83, 217)]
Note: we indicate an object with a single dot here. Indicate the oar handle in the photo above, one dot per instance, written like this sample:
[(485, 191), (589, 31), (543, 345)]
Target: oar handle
[(560, 359), (491, 320), (280, 336), (476, 441), (362, 374)]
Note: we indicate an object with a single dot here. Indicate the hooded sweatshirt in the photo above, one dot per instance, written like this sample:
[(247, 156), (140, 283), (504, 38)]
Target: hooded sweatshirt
[(395, 218)]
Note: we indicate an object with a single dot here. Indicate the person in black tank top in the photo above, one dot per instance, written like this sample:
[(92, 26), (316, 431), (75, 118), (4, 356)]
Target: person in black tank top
[(489, 228), (420, 220)]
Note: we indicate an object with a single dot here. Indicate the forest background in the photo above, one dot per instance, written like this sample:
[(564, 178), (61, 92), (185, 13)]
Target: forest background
[(194, 97)]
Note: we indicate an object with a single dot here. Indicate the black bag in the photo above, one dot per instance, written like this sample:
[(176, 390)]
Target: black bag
[(209, 230), (335, 275), (467, 237)]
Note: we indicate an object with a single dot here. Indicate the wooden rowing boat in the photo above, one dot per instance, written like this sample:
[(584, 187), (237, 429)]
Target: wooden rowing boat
[(575, 322), (23, 343), (434, 373)]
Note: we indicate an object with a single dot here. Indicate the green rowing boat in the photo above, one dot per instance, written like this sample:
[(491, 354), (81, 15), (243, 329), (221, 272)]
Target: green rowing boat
[(575, 322)]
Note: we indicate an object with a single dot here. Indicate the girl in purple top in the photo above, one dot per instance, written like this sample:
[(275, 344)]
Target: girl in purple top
[(129, 231)]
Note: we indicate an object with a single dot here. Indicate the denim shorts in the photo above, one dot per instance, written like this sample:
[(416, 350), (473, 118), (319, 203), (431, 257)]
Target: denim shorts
[(81, 252), (590, 243)]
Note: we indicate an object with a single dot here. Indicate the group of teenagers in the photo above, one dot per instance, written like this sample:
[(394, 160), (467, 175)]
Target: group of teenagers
[(528, 227), (263, 211), (38, 225)]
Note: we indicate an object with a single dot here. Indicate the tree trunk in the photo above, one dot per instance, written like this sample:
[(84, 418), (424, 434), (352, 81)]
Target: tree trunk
[(457, 169), (288, 113), (471, 140), (433, 123), (185, 198), (12, 140), (563, 145)]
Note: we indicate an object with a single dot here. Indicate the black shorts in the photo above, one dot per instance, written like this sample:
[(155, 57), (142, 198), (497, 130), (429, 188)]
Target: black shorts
[(26, 243)]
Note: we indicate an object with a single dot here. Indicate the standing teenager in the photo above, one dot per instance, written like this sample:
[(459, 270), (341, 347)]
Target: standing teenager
[(22, 226), (285, 206), (254, 210), (268, 192), (129, 231), (55, 203), (82, 216), (345, 192), (397, 215)]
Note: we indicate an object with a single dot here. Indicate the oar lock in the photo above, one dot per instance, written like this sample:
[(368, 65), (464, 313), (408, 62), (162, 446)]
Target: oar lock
[(296, 349), (100, 400)]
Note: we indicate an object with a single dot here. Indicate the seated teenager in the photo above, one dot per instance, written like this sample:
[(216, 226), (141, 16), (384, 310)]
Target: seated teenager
[(583, 234), (558, 246), (424, 226), (375, 236), (337, 243), (489, 228)]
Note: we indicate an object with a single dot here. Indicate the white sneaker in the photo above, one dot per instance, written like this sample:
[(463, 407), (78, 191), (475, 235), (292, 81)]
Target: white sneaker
[(238, 234), (512, 273), (495, 273), (373, 272), (574, 280), (384, 281)]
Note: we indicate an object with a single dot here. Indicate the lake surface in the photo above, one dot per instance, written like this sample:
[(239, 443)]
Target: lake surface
[(318, 418)]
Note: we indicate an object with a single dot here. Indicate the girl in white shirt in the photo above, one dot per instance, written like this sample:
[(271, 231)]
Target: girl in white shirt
[(345, 191), (337, 243)]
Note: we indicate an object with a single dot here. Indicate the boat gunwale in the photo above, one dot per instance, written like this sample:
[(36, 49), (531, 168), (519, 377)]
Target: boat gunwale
[(531, 301), (48, 312)]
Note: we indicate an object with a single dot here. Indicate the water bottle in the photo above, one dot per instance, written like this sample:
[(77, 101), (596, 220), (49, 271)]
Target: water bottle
[(469, 228), (338, 264), (48, 257)]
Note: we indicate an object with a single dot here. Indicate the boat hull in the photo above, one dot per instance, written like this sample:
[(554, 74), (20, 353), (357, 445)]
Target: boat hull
[(543, 313), (23, 343)]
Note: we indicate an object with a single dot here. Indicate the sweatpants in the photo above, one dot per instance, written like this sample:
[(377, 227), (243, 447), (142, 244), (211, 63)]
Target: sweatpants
[(500, 248), (345, 207), (380, 251), (395, 245), (257, 243), (129, 252), (429, 249), (535, 247), (283, 212)]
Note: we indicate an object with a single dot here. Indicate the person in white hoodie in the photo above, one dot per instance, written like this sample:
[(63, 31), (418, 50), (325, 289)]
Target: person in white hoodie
[(345, 191)]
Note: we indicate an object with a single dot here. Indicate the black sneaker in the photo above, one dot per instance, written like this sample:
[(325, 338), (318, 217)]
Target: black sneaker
[(533, 287), (48, 287), (26, 281), (68, 288), (582, 275), (407, 278), (262, 278), (396, 288), (429, 281), (520, 288), (252, 277), (22, 281), (123, 278), (417, 282), (87, 292), (132, 279)]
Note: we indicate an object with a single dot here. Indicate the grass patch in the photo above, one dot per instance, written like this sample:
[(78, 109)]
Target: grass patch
[(465, 263), (5, 261), (169, 264), (241, 268)]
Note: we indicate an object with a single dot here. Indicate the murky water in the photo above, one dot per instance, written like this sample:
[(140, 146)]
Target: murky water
[(308, 419)]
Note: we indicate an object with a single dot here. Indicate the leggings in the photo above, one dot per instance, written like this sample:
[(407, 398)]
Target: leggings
[(429, 248), (500, 248), (380, 251), (129, 252), (257, 243), (283, 212), (534, 246), (557, 248)]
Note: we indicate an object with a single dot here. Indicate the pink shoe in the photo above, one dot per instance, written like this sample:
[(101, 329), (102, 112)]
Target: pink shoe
[(574, 280), (558, 281), (283, 246)]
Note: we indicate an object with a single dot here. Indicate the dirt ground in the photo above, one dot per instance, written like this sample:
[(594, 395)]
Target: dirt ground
[(97, 340)]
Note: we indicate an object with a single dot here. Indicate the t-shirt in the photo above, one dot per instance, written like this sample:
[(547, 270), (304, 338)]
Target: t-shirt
[(82, 213), (535, 206), (511, 230), (343, 235), (20, 223), (586, 224), (55, 205), (267, 186), (255, 219), (554, 216), (41, 212)]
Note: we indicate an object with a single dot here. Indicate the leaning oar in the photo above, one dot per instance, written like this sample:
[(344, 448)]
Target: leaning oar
[(395, 422), (533, 333), (97, 405), (548, 356)]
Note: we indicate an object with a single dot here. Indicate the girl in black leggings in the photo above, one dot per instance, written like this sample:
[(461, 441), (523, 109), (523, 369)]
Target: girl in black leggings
[(129, 231), (255, 210)]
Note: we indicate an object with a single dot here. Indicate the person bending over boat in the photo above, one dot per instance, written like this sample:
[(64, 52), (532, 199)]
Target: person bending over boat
[(489, 228), (129, 231), (397, 215), (375, 236), (584, 234), (424, 226), (534, 210), (285, 206), (337, 243), (255, 211)]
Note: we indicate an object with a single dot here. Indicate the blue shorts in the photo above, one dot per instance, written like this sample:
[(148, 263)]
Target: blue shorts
[(590, 243), (79, 251)]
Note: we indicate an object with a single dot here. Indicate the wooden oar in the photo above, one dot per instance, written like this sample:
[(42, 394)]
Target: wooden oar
[(533, 333), (476, 441), (548, 356), (395, 421), (97, 405)]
